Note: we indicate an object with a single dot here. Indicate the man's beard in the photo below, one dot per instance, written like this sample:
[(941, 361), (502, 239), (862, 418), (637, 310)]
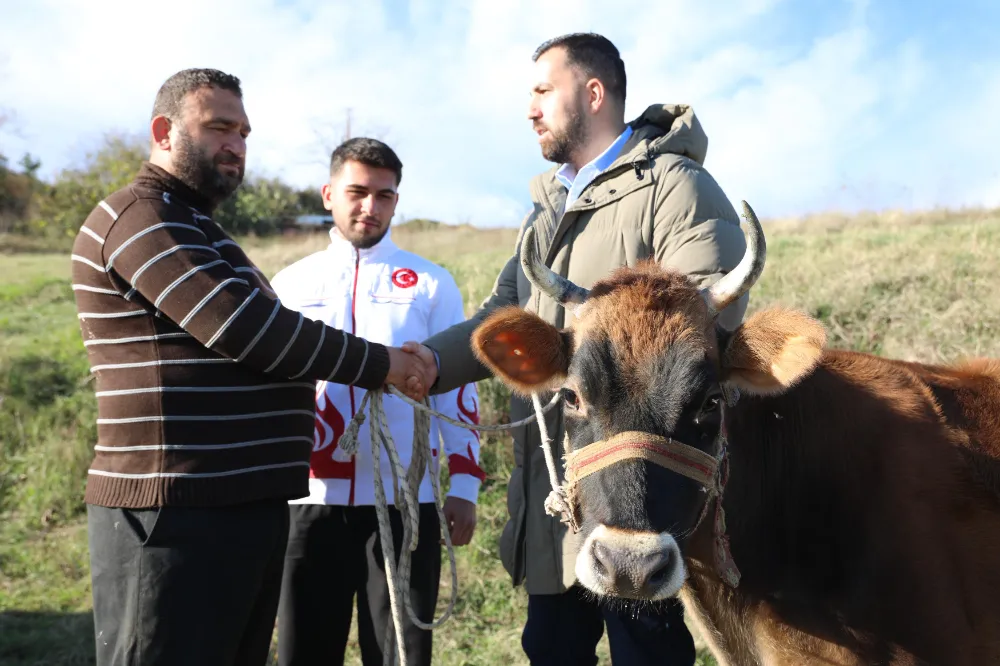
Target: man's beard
[(568, 140), (200, 172), (367, 242)]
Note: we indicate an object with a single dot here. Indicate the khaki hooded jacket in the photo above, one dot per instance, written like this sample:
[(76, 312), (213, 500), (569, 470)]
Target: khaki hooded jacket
[(655, 200)]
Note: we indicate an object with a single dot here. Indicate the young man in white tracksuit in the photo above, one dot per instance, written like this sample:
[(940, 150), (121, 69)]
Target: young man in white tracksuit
[(363, 283)]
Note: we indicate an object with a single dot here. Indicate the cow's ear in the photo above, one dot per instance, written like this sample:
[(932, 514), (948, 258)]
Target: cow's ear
[(522, 350), (772, 351)]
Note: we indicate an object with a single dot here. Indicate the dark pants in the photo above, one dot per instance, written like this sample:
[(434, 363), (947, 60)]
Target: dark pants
[(565, 629), (186, 585), (335, 552)]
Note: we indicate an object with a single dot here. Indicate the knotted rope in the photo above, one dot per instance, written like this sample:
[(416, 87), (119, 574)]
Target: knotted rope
[(398, 580)]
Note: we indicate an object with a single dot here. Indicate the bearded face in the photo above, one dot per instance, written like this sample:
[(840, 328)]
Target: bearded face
[(213, 173), (558, 108), (208, 142), (564, 133)]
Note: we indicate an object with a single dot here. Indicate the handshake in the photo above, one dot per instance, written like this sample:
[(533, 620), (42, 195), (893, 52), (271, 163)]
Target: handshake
[(412, 369)]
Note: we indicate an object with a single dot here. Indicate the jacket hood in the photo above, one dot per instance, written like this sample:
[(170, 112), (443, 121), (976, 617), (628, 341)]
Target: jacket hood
[(660, 129), (668, 128)]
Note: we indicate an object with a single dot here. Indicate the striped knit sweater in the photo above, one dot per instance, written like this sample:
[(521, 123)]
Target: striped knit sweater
[(205, 382)]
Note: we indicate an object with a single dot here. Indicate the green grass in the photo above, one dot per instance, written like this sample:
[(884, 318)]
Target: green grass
[(921, 287)]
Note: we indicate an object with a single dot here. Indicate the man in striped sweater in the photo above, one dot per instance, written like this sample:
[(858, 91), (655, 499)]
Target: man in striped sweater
[(205, 386)]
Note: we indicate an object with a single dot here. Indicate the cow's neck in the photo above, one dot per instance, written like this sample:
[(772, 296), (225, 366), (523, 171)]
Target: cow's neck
[(822, 530), (742, 626)]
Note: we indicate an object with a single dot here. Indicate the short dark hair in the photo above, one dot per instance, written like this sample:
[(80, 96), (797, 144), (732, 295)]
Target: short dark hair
[(367, 151), (595, 56), (170, 97)]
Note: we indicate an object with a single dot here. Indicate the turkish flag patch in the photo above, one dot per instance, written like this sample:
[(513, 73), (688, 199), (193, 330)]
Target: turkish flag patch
[(404, 278)]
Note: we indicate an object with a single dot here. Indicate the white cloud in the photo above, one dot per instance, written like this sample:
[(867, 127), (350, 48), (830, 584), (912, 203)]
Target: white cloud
[(798, 119)]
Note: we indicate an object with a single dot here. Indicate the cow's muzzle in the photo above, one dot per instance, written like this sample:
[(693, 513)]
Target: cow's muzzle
[(631, 565)]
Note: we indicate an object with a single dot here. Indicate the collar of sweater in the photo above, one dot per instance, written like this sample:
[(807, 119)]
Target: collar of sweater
[(157, 178)]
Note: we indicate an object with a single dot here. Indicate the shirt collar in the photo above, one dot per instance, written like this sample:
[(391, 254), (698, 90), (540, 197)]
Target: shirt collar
[(567, 175), (342, 248)]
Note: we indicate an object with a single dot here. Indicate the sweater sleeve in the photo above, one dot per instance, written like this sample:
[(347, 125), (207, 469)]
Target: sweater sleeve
[(174, 266)]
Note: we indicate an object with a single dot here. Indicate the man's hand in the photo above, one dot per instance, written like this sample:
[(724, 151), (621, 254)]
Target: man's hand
[(461, 517), (428, 358), (409, 373)]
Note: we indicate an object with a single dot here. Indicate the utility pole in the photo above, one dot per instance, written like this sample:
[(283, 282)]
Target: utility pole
[(347, 127)]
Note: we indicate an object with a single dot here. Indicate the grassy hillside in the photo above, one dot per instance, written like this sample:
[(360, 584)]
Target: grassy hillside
[(916, 287)]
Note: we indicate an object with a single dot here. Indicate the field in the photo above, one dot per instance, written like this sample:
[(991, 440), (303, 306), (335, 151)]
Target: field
[(910, 286)]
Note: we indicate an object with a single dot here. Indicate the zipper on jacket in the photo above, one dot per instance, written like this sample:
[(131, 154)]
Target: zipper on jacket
[(636, 164), (354, 331)]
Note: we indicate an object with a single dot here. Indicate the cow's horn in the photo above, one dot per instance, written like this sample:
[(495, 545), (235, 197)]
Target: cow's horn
[(739, 280), (556, 287)]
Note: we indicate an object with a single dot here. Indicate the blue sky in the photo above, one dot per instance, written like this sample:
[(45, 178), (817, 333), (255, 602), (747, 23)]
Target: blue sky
[(809, 106)]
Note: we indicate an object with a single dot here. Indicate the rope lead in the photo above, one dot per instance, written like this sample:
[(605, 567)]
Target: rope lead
[(406, 501)]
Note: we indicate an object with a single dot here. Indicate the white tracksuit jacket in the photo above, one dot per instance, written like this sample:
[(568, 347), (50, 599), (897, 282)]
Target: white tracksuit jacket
[(387, 295)]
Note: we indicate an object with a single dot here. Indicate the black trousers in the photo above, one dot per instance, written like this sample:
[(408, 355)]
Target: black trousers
[(335, 552), (189, 586), (565, 628)]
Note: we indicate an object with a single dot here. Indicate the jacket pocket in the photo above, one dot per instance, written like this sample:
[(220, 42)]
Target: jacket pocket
[(391, 299), (142, 523)]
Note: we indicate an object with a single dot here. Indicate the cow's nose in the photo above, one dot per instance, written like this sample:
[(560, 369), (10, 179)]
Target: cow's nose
[(632, 573)]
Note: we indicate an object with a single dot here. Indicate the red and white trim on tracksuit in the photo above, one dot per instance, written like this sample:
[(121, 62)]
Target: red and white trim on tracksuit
[(387, 295)]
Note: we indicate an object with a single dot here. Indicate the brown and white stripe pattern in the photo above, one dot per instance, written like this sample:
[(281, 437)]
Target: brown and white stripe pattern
[(205, 383)]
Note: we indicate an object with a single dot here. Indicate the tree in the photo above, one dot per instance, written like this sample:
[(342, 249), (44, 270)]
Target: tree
[(64, 205), (311, 202), (260, 206), (327, 135), (30, 165), (16, 189)]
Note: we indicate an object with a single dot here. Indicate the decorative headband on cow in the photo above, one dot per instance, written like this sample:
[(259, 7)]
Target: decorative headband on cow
[(665, 452)]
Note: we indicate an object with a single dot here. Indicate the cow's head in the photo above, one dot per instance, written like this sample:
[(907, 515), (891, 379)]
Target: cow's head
[(643, 355)]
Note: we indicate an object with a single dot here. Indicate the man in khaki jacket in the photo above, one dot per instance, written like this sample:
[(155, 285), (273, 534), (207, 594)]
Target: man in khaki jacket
[(619, 193)]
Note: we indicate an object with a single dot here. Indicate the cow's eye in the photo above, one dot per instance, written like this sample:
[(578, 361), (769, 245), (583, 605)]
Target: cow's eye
[(570, 399), (712, 402), (709, 411)]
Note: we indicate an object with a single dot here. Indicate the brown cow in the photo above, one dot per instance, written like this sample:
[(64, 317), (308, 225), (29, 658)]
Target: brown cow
[(862, 505)]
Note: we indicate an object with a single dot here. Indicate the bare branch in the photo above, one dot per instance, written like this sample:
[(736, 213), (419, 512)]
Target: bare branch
[(327, 135)]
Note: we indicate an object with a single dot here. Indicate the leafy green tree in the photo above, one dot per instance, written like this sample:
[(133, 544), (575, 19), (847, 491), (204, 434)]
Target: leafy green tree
[(311, 202), (66, 203), (30, 165), (15, 189), (17, 192), (261, 206)]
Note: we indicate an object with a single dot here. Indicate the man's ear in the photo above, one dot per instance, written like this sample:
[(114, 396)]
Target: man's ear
[(159, 128), (771, 351), (326, 193), (522, 350)]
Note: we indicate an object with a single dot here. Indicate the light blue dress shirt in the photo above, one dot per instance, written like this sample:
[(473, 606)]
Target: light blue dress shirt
[(575, 183)]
